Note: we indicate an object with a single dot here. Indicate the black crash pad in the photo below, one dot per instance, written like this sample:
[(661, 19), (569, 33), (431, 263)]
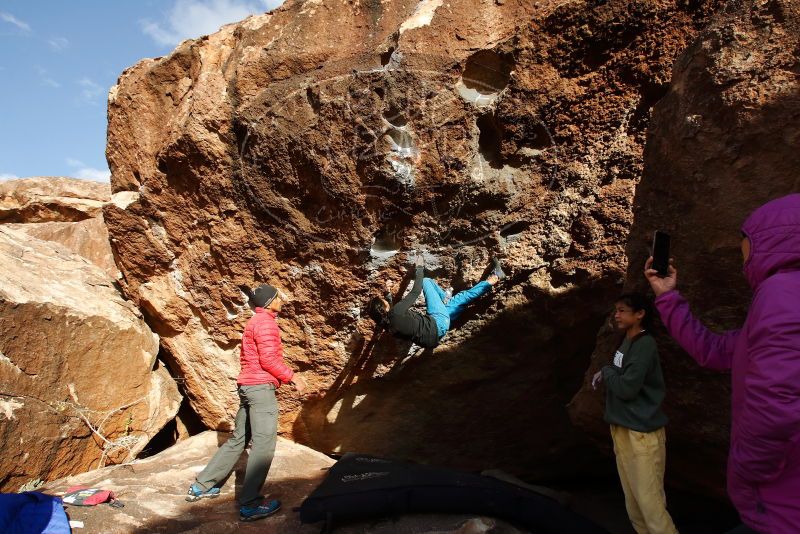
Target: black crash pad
[(361, 486)]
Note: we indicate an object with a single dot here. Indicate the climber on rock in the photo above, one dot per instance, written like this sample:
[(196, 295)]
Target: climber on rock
[(428, 329)]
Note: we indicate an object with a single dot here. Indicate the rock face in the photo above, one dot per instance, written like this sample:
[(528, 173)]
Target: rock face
[(722, 142), (150, 489), (64, 210), (79, 381), (45, 199), (87, 238), (313, 146)]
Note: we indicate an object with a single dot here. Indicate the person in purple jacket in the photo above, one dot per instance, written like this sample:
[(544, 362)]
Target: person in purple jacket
[(764, 359)]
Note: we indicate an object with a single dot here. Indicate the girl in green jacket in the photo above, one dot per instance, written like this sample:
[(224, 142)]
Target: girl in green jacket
[(634, 393)]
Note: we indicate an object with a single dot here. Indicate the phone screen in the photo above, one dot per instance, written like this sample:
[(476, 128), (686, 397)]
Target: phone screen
[(661, 252)]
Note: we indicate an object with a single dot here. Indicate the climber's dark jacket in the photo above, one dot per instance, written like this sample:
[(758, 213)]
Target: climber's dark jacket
[(406, 323)]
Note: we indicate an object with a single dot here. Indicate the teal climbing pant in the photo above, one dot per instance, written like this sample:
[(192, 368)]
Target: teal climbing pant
[(444, 313)]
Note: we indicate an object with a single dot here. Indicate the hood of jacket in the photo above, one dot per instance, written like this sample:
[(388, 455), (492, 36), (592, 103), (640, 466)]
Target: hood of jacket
[(774, 234)]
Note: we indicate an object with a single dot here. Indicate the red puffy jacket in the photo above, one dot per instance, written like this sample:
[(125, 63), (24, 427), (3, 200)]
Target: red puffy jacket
[(261, 355)]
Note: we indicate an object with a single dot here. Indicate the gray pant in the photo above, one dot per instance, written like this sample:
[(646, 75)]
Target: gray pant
[(257, 417)]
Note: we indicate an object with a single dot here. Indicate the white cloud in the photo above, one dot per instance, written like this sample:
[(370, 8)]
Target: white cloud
[(92, 91), (11, 19), (45, 78), (58, 43), (75, 162), (5, 176), (85, 172), (192, 18), (159, 35), (96, 175)]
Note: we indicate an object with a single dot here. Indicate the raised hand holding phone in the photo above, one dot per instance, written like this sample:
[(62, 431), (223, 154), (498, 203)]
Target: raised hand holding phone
[(660, 252), (660, 284)]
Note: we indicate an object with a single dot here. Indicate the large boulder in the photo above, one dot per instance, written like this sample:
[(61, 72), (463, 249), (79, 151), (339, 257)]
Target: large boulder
[(42, 199), (723, 141), (80, 385), (306, 147), (87, 238), (65, 210)]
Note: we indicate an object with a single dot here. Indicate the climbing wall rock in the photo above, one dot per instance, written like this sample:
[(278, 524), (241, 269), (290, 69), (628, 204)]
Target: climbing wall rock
[(315, 146)]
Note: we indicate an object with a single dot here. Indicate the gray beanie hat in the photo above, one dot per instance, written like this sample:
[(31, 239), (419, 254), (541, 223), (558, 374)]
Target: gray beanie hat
[(261, 296)]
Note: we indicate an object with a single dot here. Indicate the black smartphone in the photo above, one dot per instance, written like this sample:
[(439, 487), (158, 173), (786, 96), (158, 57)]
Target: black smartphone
[(661, 253)]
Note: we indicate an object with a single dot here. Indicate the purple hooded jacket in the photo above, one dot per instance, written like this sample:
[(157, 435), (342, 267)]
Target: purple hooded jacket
[(764, 359)]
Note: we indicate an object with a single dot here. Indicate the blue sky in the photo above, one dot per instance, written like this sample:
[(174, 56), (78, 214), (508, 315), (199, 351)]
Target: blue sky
[(58, 60)]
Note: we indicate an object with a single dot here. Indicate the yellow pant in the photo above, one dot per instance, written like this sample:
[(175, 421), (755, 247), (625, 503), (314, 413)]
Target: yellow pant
[(641, 459)]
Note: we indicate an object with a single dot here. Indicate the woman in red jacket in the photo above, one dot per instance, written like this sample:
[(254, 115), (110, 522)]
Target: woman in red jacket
[(262, 371)]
